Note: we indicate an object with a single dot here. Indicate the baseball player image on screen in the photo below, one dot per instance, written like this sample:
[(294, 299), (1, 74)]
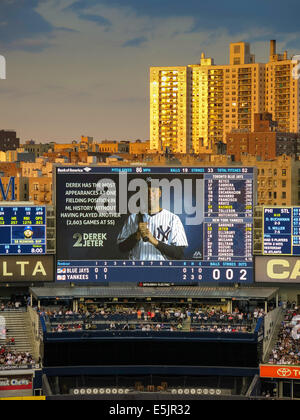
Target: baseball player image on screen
[(158, 235)]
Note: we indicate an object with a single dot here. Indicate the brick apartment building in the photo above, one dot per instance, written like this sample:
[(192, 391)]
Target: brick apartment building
[(8, 140), (40, 190), (264, 141)]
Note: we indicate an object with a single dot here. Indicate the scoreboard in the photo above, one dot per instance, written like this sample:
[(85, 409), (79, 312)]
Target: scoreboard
[(22, 230), (281, 231), (207, 211)]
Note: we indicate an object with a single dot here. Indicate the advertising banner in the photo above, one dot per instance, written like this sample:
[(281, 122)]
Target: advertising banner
[(279, 371), (277, 269), (15, 383), (31, 268)]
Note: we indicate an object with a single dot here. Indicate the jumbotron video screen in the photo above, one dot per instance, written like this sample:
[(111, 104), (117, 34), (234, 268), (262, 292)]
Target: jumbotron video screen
[(22, 230), (154, 225)]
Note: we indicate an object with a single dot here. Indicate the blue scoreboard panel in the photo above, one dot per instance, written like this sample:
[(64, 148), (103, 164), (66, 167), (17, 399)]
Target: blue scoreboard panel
[(158, 224), (281, 231), (22, 230)]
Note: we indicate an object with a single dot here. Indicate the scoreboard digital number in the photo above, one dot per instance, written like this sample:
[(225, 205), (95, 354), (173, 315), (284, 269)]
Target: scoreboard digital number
[(22, 230), (160, 224), (281, 231)]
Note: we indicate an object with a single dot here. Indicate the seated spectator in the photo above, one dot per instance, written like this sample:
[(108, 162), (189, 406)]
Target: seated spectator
[(11, 358), (131, 318), (287, 349)]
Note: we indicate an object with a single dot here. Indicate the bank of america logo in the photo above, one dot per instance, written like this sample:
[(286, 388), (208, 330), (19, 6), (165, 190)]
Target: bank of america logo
[(87, 169)]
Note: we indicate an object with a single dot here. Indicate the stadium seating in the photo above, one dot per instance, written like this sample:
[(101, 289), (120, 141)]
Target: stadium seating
[(160, 319)]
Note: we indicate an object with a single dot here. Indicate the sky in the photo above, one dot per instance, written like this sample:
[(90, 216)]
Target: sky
[(81, 67)]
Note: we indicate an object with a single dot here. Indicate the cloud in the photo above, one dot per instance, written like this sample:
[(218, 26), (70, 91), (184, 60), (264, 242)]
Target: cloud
[(80, 5), (99, 20), (22, 27), (97, 69), (234, 16), (135, 42), (19, 22)]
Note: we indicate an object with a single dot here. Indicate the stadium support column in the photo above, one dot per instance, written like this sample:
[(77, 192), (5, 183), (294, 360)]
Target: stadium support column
[(279, 389), (229, 306), (75, 305)]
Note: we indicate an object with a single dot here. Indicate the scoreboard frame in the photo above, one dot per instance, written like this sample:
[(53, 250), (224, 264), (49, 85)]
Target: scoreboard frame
[(291, 234), (23, 205), (219, 266)]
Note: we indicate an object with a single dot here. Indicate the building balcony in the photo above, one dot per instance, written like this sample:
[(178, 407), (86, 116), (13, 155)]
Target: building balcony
[(282, 112), (282, 109), (244, 81), (282, 87), (245, 71), (281, 97), (283, 71), (283, 103), (243, 78), (283, 77)]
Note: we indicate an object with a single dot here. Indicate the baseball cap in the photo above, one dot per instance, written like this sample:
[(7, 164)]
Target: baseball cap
[(28, 228)]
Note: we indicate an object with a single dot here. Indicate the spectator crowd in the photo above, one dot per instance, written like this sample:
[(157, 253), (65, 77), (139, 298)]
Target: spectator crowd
[(287, 349), (11, 358), (13, 304), (202, 319)]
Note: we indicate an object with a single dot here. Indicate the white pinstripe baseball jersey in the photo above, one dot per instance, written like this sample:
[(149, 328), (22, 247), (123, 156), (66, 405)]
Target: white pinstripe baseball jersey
[(165, 226)]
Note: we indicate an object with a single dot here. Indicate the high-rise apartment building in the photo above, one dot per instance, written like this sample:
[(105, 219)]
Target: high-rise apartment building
[(225, 98), (170, 126), (282, 91), (193, 108)]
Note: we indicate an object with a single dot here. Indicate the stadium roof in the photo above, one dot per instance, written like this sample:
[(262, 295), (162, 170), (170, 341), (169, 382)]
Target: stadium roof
[(245, 293)]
